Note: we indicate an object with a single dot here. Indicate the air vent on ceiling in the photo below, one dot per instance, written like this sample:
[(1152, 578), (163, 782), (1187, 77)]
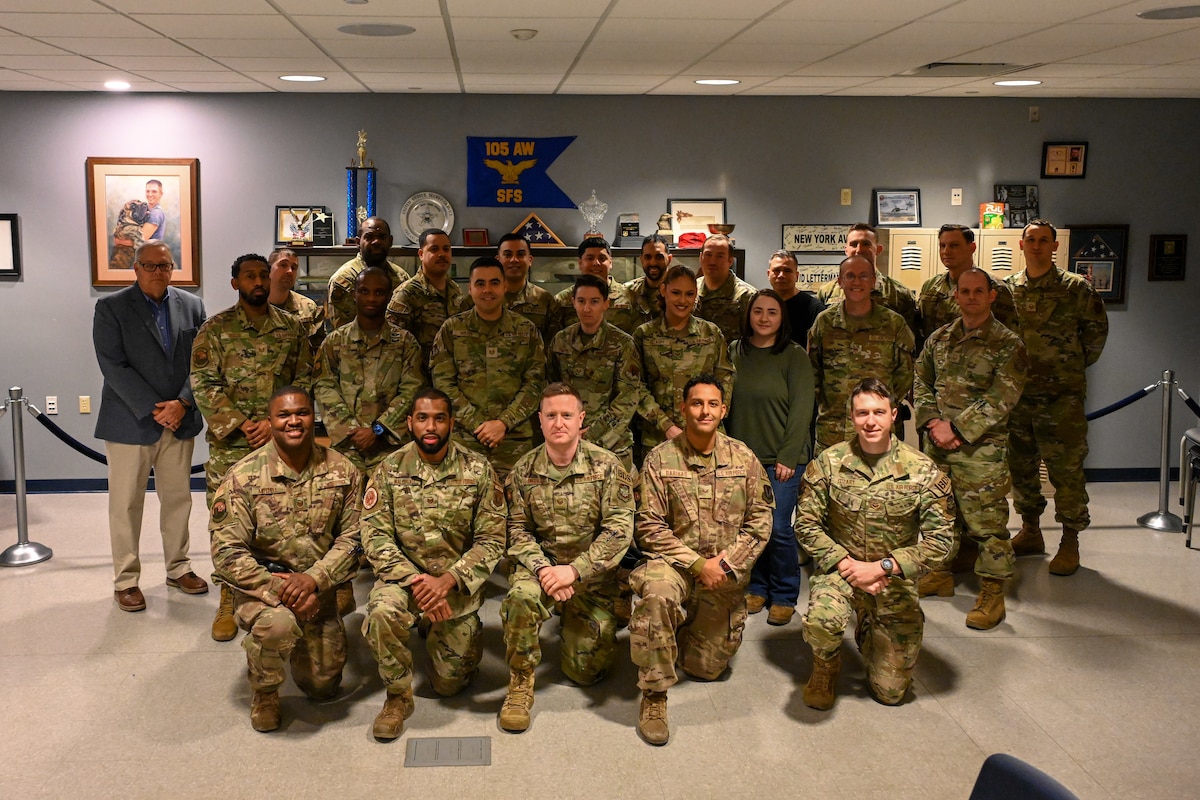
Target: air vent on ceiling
[(962, 69)]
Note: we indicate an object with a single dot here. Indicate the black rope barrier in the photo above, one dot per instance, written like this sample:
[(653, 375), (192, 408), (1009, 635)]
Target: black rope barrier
[(76, 445), (1117, 406), (1189, 401)]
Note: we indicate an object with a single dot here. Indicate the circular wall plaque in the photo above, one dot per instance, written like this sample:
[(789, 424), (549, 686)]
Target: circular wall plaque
[(426, 210)]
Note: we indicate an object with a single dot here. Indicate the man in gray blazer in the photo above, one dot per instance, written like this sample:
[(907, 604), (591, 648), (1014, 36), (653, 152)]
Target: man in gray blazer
[(143, 336)]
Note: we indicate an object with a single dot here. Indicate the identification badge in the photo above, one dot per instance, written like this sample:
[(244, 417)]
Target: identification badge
[(493, 351)]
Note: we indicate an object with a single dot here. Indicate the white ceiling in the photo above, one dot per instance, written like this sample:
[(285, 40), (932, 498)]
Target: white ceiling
[(1077, 48)]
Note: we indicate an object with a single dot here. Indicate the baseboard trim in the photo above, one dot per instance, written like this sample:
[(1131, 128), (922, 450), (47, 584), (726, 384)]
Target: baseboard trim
[(77, 486)]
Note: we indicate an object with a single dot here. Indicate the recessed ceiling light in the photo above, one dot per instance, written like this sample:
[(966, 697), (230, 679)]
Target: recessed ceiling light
[(116, 86), (523, 34), (717, 82), (376, 29), (1175, 12), (1017, 83), (302, 78)]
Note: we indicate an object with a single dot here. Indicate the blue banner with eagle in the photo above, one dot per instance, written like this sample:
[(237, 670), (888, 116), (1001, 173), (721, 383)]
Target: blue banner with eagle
[(511, 172)]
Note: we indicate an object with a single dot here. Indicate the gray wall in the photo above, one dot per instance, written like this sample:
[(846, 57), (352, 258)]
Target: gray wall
[(776, 160)]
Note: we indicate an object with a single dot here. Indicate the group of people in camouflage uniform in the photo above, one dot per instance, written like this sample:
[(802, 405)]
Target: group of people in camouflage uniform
[(508, 421)]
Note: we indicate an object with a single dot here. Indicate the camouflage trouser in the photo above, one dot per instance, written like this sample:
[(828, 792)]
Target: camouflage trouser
[(889, 629), (980, 481), (317, 648), (679, 621), (122, 257), (220, 458), (589, 627), (1053, 430), (454, 646), (503, 457)]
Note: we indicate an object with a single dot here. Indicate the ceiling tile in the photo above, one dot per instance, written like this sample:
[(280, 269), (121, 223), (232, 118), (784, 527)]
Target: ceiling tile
[(392, 82), (219, 88), (21, 46), (527, 9), (54, 25), (850, 12), (192, 7), (700, 33), (1024, 11), (43, 63), (282, 65), (793, 32), (268, 48), (598, 66), (221, 26), (175, 76), (799, 55), (326, 28), (1060, 42), (118, 46), (376, 66), (693, 9), (405, 47), (56, 6), (549, 29)]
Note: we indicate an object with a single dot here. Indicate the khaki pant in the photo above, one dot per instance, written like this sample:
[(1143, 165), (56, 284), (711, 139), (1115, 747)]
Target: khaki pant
[(128, 469), (678, 621)]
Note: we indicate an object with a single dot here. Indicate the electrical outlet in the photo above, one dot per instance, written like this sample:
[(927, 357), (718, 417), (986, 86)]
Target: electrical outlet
[(1035, 114), (845, 197), (85, 404), (51, 405), (956, 197)]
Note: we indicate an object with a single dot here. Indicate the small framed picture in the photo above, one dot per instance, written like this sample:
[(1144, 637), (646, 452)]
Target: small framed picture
[(1064, 159), (475, 237), (896, 208), (1168, 256), (694, 216), (131, 201), (10, 248), (296, 225)]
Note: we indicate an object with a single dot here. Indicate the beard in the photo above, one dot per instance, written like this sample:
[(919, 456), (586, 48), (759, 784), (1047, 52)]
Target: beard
[(432, 449), (254, 299)]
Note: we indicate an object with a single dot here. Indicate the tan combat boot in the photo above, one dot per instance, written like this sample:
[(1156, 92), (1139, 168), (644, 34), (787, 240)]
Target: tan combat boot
[(1066, 560), (989, 608), (514, 714), (755, 603), (264, 711), (821, 688), (652, 718), (1028, 541), (224, 626), (940, 582), (389, 723)]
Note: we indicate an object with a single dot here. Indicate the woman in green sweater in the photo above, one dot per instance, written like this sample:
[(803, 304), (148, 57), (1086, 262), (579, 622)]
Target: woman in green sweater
[(771, 410)]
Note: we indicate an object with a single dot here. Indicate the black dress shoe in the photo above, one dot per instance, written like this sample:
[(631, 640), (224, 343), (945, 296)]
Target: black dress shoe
[(130, 599)]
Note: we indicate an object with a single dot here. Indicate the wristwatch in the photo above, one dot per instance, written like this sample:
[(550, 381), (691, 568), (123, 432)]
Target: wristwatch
[(888, 565), (378, 429)]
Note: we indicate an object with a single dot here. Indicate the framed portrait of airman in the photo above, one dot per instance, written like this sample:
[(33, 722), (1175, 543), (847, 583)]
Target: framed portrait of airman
[(131, 201)]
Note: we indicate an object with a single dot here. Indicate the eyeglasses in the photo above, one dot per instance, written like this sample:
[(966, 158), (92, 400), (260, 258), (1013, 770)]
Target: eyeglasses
[(165, 267)]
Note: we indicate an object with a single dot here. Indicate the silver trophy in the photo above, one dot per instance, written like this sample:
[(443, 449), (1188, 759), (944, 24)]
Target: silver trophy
[(593, 211)]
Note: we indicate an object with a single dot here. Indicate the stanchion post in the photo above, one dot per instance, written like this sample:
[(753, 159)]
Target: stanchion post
[(1163, 519), (24, 552)]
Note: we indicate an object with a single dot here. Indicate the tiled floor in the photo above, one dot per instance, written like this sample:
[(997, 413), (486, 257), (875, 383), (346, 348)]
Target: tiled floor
[(1092, 678)]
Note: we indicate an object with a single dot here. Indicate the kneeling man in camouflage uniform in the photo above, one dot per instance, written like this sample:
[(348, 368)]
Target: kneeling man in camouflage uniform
[(433, 529), (705, 516), (284, 532), (865, 503), (570, 520)]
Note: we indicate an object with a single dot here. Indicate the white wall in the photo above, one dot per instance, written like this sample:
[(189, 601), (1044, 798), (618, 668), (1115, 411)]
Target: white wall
[(776, 160)]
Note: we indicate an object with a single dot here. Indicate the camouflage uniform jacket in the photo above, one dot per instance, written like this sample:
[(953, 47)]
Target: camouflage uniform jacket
[(644, 299), (671, 358), (307, 522), (726, 305), (846, 349), (1063, 325), (621, 313), (433, 519), (584, 519), (419, 308), (693, 507), (888, 292), (491, 370), (607, 373), (937, 306), (311, 316), (360, 383), (902, 508), (340, 307), (534, 304), (972, 379), (236, 367)]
